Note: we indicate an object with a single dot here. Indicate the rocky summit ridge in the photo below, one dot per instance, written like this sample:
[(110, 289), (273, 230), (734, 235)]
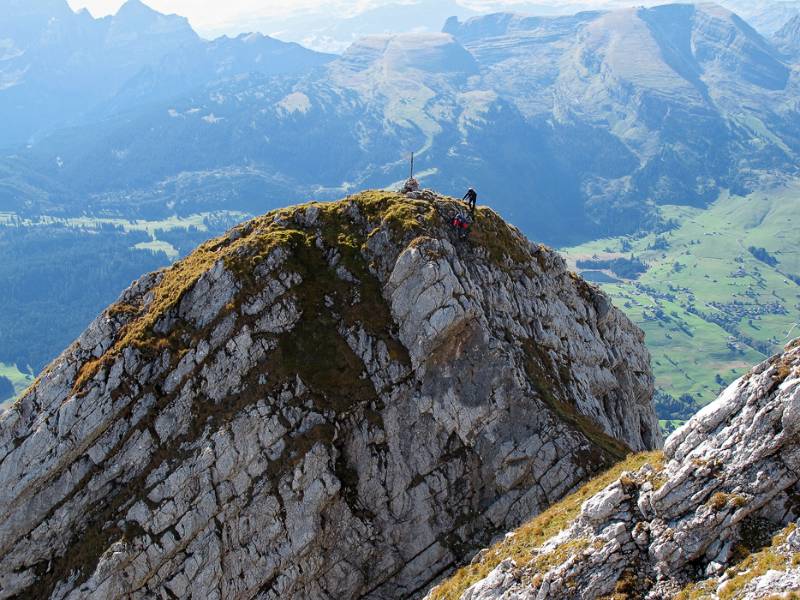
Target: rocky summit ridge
[(339, 400), (714, 516)]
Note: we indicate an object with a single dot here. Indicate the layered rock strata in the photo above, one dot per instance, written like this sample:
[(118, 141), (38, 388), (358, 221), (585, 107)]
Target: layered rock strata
[(332, 401)]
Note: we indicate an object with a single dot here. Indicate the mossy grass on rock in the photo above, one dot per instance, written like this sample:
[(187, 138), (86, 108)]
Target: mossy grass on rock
[(525, 545), (332, 400), (715, 516), (246, 246)]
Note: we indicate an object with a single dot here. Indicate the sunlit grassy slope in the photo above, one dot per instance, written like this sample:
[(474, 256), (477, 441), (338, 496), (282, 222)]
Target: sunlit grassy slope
[(710, 309), (527, 539)]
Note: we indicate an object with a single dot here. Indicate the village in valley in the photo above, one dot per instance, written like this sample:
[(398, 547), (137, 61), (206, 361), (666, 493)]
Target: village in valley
[(715, 291)]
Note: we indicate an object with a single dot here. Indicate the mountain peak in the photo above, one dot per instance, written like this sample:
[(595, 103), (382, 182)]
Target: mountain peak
[(134, 7), (426, 52), (350, 371), (135, 15), (153, 32)]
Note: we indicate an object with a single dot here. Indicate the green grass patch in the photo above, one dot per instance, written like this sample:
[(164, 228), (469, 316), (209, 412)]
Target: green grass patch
[(754, 565), (19, 380)]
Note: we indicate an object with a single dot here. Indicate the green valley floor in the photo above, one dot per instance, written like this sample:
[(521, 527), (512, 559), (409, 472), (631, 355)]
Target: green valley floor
[(19, 381), (721, 291)]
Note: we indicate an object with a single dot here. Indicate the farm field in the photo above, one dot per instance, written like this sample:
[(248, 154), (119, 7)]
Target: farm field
[(158, 233), (721, 291)]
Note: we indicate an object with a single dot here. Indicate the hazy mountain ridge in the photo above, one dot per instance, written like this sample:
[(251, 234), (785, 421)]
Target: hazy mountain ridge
[(68, 62), (767, 16), (788, 38), (59, 67), (661, 79), (537, 97)]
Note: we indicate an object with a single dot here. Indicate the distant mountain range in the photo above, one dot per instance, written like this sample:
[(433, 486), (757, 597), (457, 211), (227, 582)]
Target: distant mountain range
[(58, 67), (332, 26), (325, 30), (767, 16), (574, 127)]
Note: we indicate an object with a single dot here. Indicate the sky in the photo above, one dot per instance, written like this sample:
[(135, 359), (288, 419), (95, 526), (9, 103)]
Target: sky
[(208, 11), (313, 22), (214, 16)]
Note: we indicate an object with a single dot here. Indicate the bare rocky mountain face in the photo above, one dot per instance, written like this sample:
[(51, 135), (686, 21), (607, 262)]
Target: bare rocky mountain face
[(787, 39), (715, 517), (335, 400)]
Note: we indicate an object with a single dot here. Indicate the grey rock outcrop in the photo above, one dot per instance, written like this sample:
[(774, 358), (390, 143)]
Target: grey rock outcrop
[(730, 483), (333, 401)]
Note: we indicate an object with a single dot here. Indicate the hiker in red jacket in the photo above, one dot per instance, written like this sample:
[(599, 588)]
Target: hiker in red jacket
[(462, 224)]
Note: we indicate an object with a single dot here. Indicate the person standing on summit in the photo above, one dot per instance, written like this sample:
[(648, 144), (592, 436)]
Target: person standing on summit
[(472, 198)]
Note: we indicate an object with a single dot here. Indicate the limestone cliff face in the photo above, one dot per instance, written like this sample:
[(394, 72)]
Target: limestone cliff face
[(333, 401), (718, 519)]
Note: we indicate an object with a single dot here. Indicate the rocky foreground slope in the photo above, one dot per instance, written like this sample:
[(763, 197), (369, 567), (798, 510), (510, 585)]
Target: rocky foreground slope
[(333, 401), (715, 516)]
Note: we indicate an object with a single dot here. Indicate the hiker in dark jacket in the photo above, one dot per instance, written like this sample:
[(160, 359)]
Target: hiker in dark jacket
[(472, 198)]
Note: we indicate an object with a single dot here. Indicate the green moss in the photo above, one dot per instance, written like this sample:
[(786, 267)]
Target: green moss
[(657, 480), (502, 242), (558, 556), (722, 500), (241, 252), (784, 367), (315, 350), (633, 584), (522, 546)]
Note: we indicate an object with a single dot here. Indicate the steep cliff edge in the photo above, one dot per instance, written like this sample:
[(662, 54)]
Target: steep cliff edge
[(332, 401), (715, 516)]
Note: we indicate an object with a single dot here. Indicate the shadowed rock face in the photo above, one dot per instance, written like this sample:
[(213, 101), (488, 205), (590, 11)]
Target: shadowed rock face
[(730, 485), (333, 401)]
